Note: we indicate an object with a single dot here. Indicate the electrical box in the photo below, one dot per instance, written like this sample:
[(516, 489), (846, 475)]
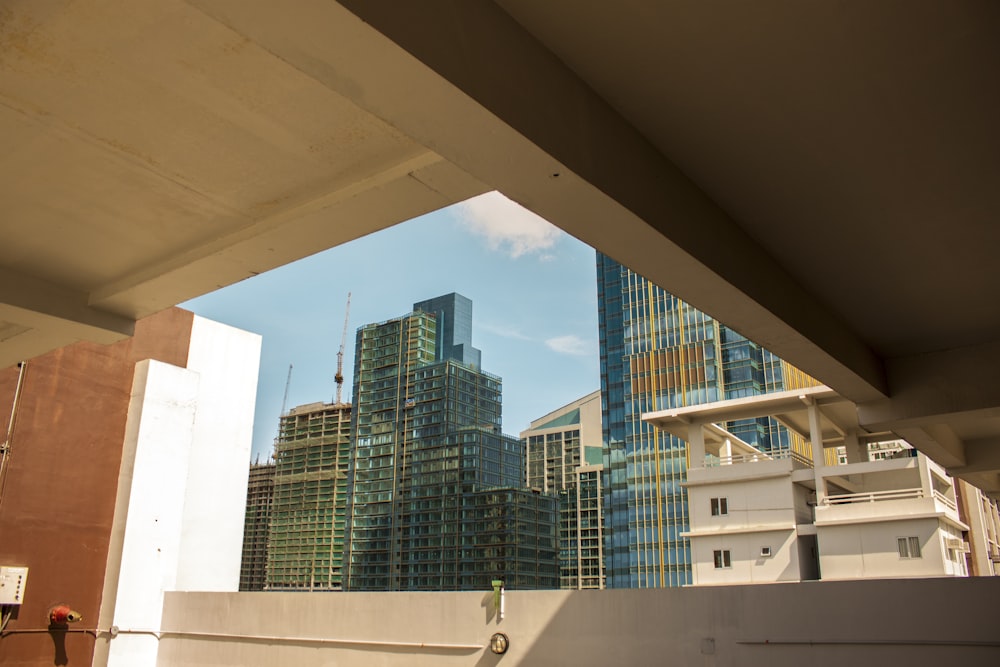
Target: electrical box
[(12, 582)]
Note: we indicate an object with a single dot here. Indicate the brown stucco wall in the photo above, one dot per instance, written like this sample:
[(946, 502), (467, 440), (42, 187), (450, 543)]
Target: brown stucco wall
[(61, 479)]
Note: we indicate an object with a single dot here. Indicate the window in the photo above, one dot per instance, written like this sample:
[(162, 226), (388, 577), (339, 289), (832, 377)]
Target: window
[(720, 506), (909, 547), (723, 559)]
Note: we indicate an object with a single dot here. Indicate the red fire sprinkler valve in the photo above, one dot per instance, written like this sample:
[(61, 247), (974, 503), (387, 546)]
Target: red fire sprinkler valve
[(61, 615)]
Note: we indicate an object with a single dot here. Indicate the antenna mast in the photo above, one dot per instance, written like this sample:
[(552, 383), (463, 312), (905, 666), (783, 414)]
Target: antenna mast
[(339, 377)]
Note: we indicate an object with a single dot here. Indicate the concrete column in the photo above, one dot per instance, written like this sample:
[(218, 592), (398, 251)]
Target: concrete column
[(816, 438), (727, 449), (926, 484), (972, 504), (857, 452), (696, 445)]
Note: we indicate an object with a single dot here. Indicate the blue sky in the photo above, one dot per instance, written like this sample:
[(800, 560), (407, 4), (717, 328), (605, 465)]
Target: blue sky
[(533, 290)]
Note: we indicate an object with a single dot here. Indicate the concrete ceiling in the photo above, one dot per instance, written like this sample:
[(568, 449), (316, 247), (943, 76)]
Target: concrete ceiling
[(152, 154), (820, 176)]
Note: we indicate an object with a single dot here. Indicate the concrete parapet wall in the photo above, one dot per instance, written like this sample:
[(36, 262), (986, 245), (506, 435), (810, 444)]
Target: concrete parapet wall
[(912, 622)]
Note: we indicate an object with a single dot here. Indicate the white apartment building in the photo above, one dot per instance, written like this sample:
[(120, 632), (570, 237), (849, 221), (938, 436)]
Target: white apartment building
[(563, 451), (759, 517)]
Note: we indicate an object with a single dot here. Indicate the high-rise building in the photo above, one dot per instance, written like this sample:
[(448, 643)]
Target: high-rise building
[(260, 493), (306, 543), (437, 497), (658, 352), (564, 457)]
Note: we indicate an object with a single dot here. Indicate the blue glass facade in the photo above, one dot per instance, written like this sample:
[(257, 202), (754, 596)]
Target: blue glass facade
[(657, 352)]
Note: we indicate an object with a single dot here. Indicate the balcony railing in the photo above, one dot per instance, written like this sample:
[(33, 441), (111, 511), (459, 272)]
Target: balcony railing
[(873, 496), (778, 455), (893, 494), (945, 499)]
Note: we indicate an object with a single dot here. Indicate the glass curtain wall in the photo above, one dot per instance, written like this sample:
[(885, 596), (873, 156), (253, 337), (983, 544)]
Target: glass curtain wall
[(658, 352)]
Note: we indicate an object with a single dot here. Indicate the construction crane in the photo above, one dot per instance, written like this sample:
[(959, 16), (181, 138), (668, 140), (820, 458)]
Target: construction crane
[(339, 377), (288, 383), (284, 403)]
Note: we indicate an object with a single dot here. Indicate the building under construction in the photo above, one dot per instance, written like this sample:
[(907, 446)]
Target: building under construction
[(260, 493), (306, 543)]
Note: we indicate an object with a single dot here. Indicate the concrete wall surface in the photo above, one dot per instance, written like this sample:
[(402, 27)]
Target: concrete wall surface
[(747, 565), (856, 550), (857, 623)]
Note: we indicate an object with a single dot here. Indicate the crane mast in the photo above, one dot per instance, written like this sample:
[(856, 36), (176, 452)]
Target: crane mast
[(339, 377), (284, 403), (288, 383)]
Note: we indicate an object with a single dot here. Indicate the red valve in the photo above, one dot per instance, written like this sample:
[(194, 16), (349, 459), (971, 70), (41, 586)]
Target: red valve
[(62, 614)]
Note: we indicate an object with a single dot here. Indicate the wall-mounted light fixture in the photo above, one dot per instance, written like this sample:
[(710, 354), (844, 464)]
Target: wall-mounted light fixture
[(61, 614), (499, 643)]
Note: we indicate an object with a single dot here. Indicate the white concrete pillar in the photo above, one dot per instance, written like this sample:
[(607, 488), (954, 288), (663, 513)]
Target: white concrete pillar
[(926, 485), (970, 500), (816, 439), (857, 452), (727, 450), (696, 445), (160, 432)]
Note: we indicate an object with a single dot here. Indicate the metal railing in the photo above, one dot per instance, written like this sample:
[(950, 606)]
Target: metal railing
[(712, 461)]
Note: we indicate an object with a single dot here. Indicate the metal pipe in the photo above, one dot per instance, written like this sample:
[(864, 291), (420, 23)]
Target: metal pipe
[(22, 367), (866, 642), (29, 631), (5, 447), (159, 634), (114, 631)]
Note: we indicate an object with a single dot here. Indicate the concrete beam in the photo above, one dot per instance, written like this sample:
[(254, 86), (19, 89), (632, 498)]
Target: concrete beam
[(473, 86), (936, 441), (32, 343), (413, 187), (42, 316), (929, 388), (982, 455)]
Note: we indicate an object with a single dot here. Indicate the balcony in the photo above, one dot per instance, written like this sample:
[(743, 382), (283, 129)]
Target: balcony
[(802, 462), (749, 465), (868, 506)]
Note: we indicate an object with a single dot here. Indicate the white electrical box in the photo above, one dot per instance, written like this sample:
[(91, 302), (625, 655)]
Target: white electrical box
[(12, 582)]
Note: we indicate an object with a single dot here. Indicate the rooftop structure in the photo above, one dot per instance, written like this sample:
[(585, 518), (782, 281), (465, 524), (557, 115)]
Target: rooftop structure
[(778, 516)]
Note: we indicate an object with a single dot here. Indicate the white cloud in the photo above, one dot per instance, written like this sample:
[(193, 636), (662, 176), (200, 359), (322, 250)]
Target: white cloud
[(570, 344), (502, 330), (507, 226)]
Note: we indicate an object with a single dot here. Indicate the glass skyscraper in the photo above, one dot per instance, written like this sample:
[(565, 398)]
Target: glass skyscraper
[(658, 352), (438, 501)]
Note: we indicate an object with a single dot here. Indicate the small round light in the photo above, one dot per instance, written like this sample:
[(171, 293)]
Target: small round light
[(499, 643)]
